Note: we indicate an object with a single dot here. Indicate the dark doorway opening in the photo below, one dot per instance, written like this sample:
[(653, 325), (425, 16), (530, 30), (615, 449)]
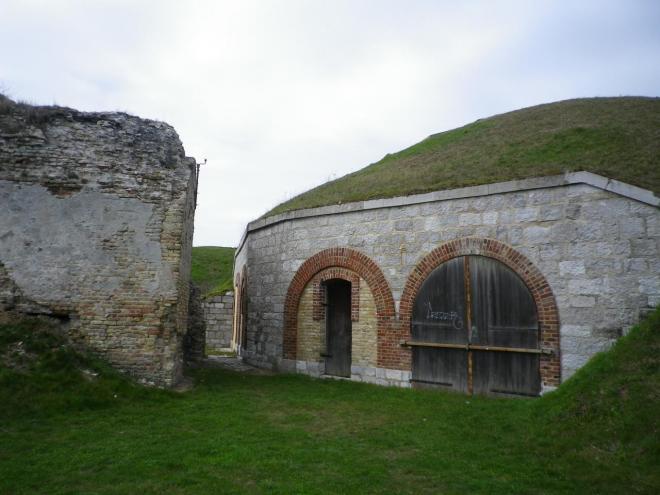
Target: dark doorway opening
[(475, 329), (338, 328)]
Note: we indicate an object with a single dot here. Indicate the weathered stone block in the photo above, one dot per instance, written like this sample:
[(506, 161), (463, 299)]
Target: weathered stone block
[(571, 268), (469, 219), (644, 247), (403, 225), (537, 234), (632, 227), (575, 331), (490, 217), (585, 286), (582, 301), (528, 214), (550, 212)]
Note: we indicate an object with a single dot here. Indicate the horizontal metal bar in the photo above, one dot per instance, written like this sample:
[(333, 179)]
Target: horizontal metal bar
[(448, 323), (428, 382), (434, 324), (509, 392), (438, 345), (516, 328), (475, 347), (505, 349)]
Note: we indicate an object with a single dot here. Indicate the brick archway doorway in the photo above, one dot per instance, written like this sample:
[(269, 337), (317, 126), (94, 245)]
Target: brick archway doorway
[(529, 289), (338, 259), (475, 329)]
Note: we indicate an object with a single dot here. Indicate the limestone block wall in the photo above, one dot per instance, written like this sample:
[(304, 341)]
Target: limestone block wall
[(364, 332), (311, 331), (595, 241), (218, 314), (96, 229)]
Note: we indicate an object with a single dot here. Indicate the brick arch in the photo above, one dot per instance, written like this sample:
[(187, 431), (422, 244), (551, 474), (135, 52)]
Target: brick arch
[(239, 332), (339, 258), (546, 306)]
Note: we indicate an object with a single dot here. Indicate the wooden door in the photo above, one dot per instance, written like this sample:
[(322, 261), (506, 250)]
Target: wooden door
[(475, 329), (503, 315), (338, 328), (439, 321)]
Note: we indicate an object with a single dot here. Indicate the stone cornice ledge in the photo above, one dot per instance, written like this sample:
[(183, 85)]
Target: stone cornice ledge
[(595, 180)]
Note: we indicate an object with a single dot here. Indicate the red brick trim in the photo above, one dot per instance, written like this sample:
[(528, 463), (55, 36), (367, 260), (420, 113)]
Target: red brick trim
[(241, 308), (318, 310), (347, 258), (544, 298)]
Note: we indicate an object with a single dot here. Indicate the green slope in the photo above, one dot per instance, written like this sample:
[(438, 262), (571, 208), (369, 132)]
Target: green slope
[(71, 424), (615, 137), (212, 269), (608, 414)]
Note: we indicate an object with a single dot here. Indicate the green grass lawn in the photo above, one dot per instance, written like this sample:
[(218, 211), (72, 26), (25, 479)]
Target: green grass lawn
[(62, 433), (615, 137), (212, 269)]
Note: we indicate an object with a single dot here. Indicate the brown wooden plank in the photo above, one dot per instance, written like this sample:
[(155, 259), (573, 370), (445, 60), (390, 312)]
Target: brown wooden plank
[(468, 319), (439, 317), (505, 330)]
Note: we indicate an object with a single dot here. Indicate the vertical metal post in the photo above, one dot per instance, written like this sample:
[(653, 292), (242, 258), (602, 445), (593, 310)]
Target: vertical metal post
[(468, 312)]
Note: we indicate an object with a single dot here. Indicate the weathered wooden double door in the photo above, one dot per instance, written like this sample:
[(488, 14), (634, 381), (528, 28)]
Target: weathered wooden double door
[(475, 330)]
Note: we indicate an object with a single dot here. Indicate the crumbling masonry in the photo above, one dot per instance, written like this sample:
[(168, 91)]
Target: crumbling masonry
[(96, 230)]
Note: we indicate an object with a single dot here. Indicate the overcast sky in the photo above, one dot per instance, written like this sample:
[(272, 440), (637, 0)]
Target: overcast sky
[(280, 96)]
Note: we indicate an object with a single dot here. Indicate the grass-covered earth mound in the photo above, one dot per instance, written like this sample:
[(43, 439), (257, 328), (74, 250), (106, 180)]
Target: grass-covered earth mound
[(212, 269), (618, 138), (69, 424)]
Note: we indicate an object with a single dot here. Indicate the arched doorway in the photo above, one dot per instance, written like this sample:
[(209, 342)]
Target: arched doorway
[(475, 329), (361, 266)]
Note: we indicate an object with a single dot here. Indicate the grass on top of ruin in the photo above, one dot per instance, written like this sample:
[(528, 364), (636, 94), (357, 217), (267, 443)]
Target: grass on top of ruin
[(70, 424)]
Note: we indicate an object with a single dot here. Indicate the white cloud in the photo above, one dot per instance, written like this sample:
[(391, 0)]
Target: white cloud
[(281, 95)]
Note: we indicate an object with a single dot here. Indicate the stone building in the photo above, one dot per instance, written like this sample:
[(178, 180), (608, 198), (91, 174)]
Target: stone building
[(504, 288), (96, 230)]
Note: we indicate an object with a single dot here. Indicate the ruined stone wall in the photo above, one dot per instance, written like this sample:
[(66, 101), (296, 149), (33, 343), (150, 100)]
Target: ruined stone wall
[(595, 243), (194, 341), (97, 229)]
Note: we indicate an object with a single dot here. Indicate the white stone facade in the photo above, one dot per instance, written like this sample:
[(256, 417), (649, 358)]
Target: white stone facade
[(596, 242)]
